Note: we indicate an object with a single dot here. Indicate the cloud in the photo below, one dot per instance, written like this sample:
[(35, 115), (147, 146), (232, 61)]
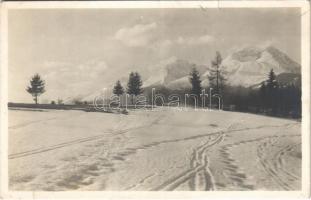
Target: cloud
[(145, 34), (201, 40), (138, 35), (65, 80), (76, 72), (261, 45), (267, 43)]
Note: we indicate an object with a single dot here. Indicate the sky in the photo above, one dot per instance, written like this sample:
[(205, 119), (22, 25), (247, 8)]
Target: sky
[(80, 51)]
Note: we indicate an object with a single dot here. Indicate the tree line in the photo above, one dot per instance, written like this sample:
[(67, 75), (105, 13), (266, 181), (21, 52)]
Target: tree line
[(134, 86), (271, 98)]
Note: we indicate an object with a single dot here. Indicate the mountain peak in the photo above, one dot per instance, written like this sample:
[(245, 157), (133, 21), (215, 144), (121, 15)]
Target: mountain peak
[(249, 53), (252, 64), (284, 61), (270, 47), (168, 72)]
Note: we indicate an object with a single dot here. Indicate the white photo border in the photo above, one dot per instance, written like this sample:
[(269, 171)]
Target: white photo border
[(305, 71)]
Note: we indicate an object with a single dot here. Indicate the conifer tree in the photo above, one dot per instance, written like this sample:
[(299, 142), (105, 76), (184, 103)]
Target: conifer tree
[(263, 95), (272, 89), (118, 89), (36, 88), (134, 85), (195, 82), (271, 82), (216, 76)]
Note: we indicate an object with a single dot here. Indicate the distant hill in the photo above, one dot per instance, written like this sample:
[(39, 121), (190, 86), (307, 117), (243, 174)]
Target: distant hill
[(289, 78), (284, 79), (246, 67), (174, 74), (250, 66)]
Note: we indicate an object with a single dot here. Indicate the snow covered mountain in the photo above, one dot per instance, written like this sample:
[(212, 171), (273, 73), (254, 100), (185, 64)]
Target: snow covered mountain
[(251, 65), (247, 67), (173, 74)]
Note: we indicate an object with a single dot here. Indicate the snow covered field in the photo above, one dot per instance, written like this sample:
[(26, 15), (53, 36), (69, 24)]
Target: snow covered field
[(152, 150)]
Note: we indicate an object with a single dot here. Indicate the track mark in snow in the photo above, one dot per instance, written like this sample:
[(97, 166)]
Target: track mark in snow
[(117, 132), (238, 176), (153, 144), (53, 147), (83, 177), (232, 170), (73, 142), (199, 175), (194, 175), (141, 182), (273, 164), (280, 161)]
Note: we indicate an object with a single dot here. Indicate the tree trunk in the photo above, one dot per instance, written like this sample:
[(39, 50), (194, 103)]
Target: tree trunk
[(120, 100), (217, 80)]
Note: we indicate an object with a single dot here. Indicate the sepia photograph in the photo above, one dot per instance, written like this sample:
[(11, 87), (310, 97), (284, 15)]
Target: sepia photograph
[(189, 97)]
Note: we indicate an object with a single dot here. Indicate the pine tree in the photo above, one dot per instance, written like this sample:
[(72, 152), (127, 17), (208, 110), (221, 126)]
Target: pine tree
[(263, 95), (272, 92), (134, 85), (195, 82), (36, 88), (271, 82), (216, 76), (118, 89)]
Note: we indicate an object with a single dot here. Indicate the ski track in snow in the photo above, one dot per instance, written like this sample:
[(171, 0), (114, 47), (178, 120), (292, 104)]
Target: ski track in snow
[(237, 175), (65, 144), (199, 176), (274, 166), (199, 173), (93, 138), (73, 142)]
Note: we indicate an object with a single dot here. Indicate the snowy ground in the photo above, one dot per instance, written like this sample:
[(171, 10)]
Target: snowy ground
[(152, 150)]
